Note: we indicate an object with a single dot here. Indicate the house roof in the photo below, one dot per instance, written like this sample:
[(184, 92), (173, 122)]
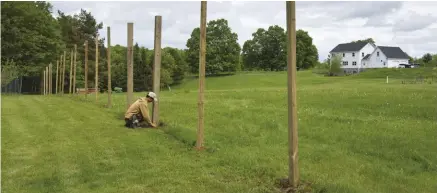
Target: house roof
[(349, 47), (393, 52), (366, 57)]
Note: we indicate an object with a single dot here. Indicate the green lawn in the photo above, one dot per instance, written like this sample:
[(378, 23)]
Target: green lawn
[(356, 134)]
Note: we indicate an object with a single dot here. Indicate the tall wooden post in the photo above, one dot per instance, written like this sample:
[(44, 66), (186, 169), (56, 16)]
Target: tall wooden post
[(70, 85), (86, 68), (202, 60), (74, 70), (57, 76), (96, 79), (50, 79), (60, 73), (130, 69), (292, 110), (47, 80), (44, 86), (108, 56), (157, 67), (63, 72)]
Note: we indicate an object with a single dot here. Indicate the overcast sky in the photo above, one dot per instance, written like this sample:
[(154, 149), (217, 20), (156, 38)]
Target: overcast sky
[(410, 25)]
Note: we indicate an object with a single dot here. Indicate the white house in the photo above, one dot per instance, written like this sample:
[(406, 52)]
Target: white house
[(358, 56)]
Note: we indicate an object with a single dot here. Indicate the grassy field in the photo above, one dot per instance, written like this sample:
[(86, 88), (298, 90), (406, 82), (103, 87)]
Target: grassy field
[(357, 134)]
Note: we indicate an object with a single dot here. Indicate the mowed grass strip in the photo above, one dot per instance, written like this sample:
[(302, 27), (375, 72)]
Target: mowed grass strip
[(355, 135)]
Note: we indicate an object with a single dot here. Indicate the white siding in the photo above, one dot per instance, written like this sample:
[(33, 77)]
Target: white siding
[(348, 56), (368, 49), (394, 63), (377, 61), (365, 63)]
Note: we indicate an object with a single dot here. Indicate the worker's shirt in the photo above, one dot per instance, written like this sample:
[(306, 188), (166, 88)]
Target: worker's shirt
[(139, 107)]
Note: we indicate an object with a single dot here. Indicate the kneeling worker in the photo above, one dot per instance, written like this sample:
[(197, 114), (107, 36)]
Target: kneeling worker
[(138, 113)]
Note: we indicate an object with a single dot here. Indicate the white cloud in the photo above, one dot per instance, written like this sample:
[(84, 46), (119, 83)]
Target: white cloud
[(410, 25)]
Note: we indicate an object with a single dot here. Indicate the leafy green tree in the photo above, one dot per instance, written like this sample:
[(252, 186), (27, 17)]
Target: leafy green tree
[(222, 49), (30, 35), (9, 71), (76, 29), (118, 66), (434, 60), (267, 50), (335, 66), (138, 66), (427, 58), (180, 67), (307, 55), (368, 40)]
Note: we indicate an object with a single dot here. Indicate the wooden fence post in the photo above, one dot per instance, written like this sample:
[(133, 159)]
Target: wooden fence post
[(44, 86), (130, 86), (74, 70), (63, 72), (291, 79), (50, 79), (202, 60), (70, 85), (86, 68), (157, 68), (96, 86), (109, 67)]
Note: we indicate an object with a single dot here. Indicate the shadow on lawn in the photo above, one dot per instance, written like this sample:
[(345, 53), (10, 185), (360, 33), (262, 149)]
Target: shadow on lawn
[(184, 135), (308, 187)]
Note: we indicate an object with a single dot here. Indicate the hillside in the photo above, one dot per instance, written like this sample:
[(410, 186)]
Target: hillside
[(356, 134)]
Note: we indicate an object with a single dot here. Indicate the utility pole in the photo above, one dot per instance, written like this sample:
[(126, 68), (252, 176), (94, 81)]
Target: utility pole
[(157, 67), (202, 60), (291, 79)]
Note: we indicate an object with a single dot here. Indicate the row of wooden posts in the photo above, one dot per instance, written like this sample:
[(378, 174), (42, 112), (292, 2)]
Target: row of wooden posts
[(291, 64), (61, 64), (60, 75)]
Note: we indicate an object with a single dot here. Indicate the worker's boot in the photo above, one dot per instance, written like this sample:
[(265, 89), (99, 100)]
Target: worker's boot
[(135, 122)]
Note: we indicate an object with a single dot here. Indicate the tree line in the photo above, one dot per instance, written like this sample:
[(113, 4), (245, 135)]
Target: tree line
[(32, 38)]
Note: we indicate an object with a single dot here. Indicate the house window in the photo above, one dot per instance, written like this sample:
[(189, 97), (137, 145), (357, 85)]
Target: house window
[(354, 63), (353, 54), (362, 54), (364, 64), (377, 53), (345, 63), (384, 63), (343, 54)]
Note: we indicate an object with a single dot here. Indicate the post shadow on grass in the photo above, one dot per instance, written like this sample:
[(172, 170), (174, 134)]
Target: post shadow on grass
[(184, 135)]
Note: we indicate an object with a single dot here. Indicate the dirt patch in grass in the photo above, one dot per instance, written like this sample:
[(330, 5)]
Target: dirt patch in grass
[(284, 185)]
